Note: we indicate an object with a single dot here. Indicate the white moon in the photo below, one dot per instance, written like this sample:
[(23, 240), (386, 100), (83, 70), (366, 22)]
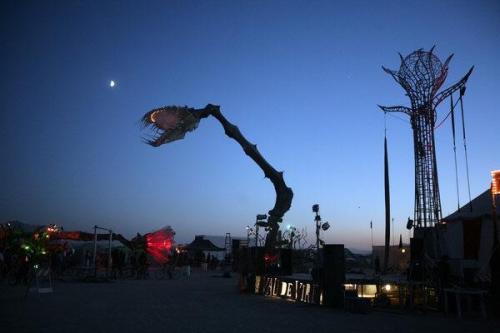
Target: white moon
[(112, 83)]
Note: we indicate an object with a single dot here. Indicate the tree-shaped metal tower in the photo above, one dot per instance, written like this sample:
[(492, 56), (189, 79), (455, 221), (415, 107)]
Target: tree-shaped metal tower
[(421, 74)]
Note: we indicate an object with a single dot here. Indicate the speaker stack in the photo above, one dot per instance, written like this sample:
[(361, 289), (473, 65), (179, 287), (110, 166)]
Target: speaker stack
[(333, 275), (285, 261)]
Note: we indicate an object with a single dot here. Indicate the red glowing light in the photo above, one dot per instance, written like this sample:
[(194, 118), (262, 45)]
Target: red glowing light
[(269, 259), (159, 244)]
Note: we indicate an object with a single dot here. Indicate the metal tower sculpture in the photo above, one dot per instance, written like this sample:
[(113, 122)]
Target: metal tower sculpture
[(421, 74)]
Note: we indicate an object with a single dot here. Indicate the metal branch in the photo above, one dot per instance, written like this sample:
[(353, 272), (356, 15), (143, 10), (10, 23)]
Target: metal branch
[(284, 194), (398, 108), (447, 92)]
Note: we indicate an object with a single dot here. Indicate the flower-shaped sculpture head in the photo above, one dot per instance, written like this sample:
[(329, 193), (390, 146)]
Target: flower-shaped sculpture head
[(421, 74), (170, 123)]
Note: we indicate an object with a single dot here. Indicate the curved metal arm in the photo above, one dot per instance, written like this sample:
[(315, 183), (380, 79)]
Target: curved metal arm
[(171, 123), (447, 92), (398, 108), (284, 194)]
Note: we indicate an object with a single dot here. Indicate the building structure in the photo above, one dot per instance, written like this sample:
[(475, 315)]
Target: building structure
[(467, 240), (399, 257)]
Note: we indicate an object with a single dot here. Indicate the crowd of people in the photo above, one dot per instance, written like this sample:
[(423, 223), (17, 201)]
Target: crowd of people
[(13, 265), (66, 261)]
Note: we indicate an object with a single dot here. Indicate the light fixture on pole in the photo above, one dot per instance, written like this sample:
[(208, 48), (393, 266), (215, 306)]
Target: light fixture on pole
[(319, 226), (325, 226), (317, 220)]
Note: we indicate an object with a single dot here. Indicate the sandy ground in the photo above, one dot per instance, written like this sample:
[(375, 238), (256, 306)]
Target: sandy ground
[(201, 304)]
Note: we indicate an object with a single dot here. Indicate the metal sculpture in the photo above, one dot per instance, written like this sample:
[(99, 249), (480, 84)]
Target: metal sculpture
[(421, 74), (171, 123)]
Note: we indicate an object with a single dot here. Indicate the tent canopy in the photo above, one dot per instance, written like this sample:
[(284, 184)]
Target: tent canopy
[(202, 244), (481, 206)]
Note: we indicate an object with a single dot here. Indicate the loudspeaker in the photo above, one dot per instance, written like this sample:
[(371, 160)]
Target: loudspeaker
[(286, 262), (416, 259), (235, 254), (235, 245), (416, 249), (258, 264), (333, 275)]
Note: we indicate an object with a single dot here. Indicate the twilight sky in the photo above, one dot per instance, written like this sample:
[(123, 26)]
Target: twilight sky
[(300, 78)]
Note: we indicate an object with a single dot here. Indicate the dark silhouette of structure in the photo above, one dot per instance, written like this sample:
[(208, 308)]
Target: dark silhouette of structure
[(421, 74), (171, 123)]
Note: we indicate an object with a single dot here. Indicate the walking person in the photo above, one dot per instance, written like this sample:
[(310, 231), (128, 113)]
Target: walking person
[(204, 264)]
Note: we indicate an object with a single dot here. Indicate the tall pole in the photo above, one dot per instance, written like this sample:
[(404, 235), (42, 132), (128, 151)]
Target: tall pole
[(387, 206), (371, 231), (317, 220), (317, 233), (256, 233), (109, 252), (95, 251)]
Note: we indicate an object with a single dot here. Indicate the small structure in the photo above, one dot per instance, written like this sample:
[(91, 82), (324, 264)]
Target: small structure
[(201, 244), (399, 257), (201, 248), (468, 240)]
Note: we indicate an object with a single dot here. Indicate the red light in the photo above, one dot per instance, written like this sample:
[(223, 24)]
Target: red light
[(269, 258), (159, 244)]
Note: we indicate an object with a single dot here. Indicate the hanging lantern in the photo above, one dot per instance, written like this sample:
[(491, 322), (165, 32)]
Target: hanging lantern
[(495, 182)]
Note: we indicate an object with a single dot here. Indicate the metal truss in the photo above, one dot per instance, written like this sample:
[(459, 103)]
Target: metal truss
[(421, 74)]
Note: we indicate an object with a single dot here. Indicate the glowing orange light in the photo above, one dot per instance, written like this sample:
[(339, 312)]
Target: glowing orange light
[(495, 182), (152, 117)]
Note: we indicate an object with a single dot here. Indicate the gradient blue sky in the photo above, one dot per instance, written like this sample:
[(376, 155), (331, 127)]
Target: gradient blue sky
[(300, 78)]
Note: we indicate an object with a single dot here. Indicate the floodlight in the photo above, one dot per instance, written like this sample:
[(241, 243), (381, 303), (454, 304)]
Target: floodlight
[(315, 208), (261, 217), (409, 224)]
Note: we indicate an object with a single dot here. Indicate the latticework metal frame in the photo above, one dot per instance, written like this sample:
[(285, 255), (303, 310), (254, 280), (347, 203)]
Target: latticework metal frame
[(421, 74)]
